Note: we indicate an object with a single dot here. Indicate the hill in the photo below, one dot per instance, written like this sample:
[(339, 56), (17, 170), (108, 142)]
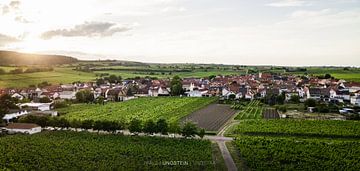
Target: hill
[(16, 58)]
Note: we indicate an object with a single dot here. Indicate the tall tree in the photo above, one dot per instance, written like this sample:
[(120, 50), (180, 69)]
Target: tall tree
[(135, 126), (150, 127), (189, 129), (162, 126), (6, 103), (176, 86)]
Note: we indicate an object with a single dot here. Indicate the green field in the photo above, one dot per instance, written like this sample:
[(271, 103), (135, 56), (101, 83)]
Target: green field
[(66, 74), (253, 110), (298, 144), (352, 74), (87, 151), (169, 108), (288, 127), (269, 153), (58, 76), (197, 74)]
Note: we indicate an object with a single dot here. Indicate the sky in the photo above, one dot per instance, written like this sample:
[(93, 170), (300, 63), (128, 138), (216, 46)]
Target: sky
[(252, 32)]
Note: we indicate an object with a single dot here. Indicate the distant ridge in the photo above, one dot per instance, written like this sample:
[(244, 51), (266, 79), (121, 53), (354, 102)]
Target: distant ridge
[(16, 58)]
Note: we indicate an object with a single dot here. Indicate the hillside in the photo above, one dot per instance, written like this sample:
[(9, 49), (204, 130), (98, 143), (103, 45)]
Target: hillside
[(15, 58)]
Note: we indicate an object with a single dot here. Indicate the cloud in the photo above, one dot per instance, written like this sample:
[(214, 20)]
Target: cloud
[(12, 6), (5, 39), (289, 3), (88, 29), (21, 19)]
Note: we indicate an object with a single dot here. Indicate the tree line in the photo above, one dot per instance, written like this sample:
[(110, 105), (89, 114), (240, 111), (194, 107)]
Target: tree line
[(14, 58), (188, 129)]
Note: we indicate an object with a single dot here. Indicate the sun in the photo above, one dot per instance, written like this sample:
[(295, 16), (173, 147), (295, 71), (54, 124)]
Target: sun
[(32, 45)]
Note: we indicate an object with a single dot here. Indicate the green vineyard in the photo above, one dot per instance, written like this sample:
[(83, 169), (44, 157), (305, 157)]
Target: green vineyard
[(311, 128), (269, 153), (251, 111), (284, 144), (88, 151), (169, 108)]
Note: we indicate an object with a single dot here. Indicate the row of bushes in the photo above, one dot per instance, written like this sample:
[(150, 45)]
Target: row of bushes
[(135, 126)]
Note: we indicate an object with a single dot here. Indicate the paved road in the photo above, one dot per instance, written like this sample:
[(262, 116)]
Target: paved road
[(229, 162), (220, 140)]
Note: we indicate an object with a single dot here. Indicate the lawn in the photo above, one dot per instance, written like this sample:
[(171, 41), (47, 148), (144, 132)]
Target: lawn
[(89, 151), (169, 108)]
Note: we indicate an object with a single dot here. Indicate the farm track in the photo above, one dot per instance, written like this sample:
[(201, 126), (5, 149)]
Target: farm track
[(212, 117)]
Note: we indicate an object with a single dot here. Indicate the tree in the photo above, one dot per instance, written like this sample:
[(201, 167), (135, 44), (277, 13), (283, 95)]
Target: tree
[(310, 103), (212, 77), (75, 124), (189, 129), (162, 126), (135, 126), (150, 127), (295, 99), (7, 103), (232, 96), (85, 96), (44, 84), (98, 125), (176, 86), (87, 124), (100, 100), (327, 76), (174, 128), (113, 79), (44, 100), (280, 98), (201, 133)]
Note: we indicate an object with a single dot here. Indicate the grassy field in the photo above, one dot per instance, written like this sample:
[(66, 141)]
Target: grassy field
[(65, 73), (89, 151), (169, 108), (59, 75), (298, 144), (352, 74), (196, 74)]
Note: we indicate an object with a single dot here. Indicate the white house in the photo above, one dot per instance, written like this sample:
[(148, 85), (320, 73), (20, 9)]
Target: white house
[(8, 117), (37, 106), (355, 100), (158, 91), (194, 93), (26, 128), (70, 95), (18, 96)]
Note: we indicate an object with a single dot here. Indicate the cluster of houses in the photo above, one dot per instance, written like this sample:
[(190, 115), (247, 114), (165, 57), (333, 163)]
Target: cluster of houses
[(250, 87)]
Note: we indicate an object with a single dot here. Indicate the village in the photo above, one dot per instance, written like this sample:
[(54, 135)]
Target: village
[(41, 101)]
